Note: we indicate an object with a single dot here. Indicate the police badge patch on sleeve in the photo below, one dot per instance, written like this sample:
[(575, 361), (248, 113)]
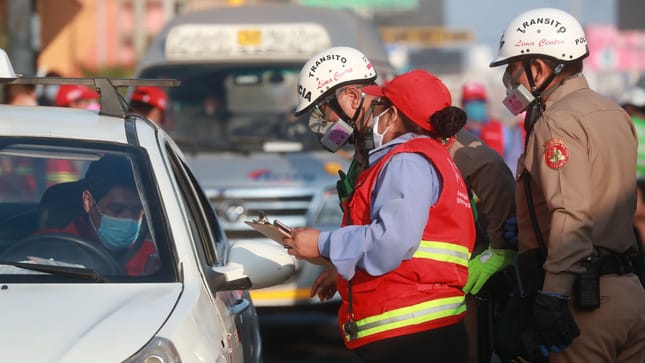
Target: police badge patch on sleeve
[(556, 153)]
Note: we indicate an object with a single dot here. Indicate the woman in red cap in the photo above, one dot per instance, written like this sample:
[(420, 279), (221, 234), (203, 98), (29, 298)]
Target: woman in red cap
[(408, 231), (150, 102), (77, 96)]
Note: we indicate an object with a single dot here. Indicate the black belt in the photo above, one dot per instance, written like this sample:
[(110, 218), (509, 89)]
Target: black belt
[(618, 264)]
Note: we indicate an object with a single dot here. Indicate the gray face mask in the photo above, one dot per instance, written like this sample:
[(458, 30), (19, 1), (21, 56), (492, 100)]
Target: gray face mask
[(518, 98)]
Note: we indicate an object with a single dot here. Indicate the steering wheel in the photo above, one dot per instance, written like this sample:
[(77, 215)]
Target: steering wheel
[(64, 248)]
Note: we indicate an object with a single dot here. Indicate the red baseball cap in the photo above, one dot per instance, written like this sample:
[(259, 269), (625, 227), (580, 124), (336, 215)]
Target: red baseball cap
[(418, 94), (154, 96), (68, 93), (471, 91)]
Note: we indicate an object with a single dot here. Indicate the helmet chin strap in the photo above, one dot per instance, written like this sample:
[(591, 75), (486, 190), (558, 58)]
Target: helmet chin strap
[(536, 107), (366, 140)]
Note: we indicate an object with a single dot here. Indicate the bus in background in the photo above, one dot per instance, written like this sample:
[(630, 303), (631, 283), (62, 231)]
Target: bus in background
[(232, 116)]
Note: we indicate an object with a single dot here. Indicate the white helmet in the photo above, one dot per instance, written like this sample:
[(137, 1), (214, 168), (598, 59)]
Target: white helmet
[(6, 68), (327, 71), (544, 32)]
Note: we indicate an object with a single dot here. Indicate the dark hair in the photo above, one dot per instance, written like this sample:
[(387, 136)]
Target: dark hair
[(448, 121), (570, 68), (445, 123), (141, 108), (640, 184), (108, 172)]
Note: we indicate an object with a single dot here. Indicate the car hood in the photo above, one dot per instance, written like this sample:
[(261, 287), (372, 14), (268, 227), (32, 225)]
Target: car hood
[(299, 169), (81, 322)]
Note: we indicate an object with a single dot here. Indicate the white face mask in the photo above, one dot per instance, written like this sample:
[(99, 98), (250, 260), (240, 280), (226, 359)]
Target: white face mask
[(378, 138)]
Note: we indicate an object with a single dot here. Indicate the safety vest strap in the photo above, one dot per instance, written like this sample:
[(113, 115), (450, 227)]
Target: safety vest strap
[(409, 315), (61, 177), (443, 251)]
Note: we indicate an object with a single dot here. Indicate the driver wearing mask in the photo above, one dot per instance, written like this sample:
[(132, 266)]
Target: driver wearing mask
[(113, 216)]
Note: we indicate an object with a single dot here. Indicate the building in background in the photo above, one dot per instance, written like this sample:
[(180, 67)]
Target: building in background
[(107, 37)]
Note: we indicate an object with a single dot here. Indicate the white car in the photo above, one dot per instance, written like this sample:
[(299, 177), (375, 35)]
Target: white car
[(67, 297)]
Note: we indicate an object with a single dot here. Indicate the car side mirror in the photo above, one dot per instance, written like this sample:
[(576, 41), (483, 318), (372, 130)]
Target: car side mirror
[(255, 265)]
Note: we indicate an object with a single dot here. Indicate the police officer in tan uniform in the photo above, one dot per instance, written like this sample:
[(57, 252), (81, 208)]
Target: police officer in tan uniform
[(575, 197)]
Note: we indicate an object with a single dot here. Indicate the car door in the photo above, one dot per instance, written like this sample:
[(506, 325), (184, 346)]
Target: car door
[(211, 247)]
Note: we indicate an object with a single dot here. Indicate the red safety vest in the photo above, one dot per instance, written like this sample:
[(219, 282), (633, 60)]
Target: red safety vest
[(56, 171), (492, 134), (424, 292)]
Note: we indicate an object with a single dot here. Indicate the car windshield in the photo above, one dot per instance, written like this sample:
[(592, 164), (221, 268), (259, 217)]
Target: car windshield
[(75, 212), (235, 108)]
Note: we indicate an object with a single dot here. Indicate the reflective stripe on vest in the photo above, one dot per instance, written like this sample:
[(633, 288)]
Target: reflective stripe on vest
[(410, 315), (443, 251), (61, 177)]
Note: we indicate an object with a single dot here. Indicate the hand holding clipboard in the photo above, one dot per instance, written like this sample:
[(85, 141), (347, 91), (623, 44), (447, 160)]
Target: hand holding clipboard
[(276, 230)]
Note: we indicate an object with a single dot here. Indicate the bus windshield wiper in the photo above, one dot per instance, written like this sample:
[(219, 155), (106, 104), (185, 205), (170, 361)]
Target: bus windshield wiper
[(58, 270)]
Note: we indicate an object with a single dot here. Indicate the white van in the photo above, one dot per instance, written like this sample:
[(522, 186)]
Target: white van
[(232, 116)]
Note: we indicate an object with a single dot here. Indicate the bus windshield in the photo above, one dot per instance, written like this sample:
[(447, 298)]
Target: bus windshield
[(234, 107)]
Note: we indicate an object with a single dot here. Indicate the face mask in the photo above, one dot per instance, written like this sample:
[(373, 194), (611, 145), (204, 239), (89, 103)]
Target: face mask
[(93, 106), (378, 138), (476, 111), (116, 233), (333, 134), (518, 98)]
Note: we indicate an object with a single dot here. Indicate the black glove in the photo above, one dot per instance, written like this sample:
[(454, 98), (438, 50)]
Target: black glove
[(554, 327), (510, 232)]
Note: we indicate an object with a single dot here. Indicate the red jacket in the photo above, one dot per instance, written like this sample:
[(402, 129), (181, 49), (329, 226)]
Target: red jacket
[(424, 292), (81, 227), (492, 134)]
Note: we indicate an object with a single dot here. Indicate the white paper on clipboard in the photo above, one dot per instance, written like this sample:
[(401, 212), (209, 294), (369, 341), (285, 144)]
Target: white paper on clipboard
[(268, 229)]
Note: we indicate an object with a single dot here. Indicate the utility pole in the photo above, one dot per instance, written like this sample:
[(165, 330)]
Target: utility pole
[(21, 52)]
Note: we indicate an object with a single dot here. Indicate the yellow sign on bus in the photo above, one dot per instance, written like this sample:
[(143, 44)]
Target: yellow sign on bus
[(249, 37), (427, 36)]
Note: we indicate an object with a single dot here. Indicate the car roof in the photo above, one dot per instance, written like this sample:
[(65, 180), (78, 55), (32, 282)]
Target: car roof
[(59, 122)]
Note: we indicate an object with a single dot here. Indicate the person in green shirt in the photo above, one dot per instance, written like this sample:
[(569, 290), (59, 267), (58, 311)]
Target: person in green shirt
[(633, 101)]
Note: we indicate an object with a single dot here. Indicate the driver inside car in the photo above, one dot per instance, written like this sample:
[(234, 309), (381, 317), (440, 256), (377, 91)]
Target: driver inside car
[(112, 216)]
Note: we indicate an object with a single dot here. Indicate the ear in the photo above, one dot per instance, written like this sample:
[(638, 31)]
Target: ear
[(394, 119), (356, 94), (87, 201), (541, 71)]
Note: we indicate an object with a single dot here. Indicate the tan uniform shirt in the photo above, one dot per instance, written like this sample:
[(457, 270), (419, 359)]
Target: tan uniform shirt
[(488, 176), (581, 158)]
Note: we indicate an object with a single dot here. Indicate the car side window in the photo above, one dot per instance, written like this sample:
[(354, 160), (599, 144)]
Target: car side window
[(200, 214)]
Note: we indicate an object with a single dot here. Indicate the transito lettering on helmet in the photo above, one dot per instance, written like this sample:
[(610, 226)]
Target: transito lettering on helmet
[(546, 21), (542, 32), (328, 70), (328, 57)]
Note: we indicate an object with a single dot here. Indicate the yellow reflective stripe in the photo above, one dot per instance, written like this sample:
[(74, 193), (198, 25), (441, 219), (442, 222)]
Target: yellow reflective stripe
[(62, 177), (410, 315), (443, 251)]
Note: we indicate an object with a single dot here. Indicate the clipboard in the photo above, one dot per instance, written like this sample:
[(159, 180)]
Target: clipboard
[(276, 230)]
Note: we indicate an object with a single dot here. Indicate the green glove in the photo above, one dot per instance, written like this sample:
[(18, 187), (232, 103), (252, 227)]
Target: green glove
[(485, 265)]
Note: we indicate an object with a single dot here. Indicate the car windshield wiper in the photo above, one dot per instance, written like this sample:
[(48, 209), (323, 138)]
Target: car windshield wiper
[(67, 271)]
